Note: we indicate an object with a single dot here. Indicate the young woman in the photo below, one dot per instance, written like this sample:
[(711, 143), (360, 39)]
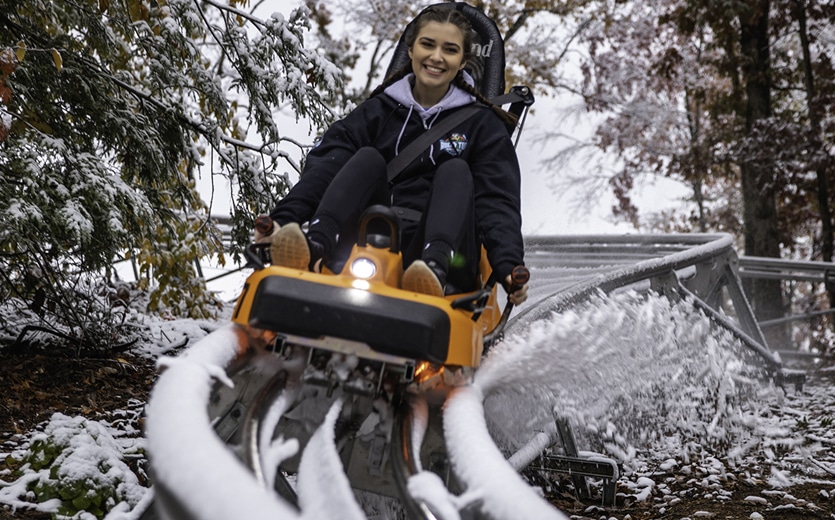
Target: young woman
[(465, 186)]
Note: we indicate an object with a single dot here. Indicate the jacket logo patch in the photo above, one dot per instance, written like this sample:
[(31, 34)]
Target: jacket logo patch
[(455, 145)]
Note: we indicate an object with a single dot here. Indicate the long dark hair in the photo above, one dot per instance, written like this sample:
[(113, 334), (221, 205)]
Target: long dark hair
[(440, 14)]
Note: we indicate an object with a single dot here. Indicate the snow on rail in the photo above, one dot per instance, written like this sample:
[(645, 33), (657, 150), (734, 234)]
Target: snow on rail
[(187, 456), (567, 268), (480, 464), (324, 490)]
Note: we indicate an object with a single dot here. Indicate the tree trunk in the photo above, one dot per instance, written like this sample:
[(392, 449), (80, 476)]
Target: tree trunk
[(758, 191), (827, 238)]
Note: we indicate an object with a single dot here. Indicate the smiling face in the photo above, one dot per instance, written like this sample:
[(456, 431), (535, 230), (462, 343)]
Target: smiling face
[(437, 56)]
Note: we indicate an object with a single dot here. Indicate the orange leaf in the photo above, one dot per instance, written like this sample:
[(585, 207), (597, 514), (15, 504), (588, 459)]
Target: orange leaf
[(20, 50), (56, 58)]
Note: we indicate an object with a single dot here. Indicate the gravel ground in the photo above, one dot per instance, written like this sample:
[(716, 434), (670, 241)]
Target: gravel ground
[(789, 474)]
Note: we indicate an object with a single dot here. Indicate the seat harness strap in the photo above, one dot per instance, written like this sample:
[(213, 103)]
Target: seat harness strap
[(410, 153), (396, 165)]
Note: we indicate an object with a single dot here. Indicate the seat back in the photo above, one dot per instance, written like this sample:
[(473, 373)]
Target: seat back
[(488, 62)]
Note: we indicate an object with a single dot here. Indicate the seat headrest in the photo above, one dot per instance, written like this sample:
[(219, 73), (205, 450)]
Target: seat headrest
[(486, 66)]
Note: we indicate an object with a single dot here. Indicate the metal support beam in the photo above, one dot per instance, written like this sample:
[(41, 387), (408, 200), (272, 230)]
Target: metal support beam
[(580, 467)]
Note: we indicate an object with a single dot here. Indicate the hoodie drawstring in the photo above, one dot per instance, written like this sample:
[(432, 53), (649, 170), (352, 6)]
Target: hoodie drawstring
[(432, 147), (427, 124), (403, 130)]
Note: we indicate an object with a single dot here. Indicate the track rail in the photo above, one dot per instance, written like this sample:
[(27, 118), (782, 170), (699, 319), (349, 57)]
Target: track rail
[(701, 268)]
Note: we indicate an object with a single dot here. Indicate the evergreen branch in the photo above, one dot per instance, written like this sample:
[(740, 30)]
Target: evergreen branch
[(243, 14), (215, 37), (199, 127)]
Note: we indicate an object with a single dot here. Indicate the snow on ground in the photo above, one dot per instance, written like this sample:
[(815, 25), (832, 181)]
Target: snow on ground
[(92, 452), (642, 380)]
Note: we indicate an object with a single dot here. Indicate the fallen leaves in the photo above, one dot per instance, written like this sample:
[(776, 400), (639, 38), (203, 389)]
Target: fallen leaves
[(34, 386)]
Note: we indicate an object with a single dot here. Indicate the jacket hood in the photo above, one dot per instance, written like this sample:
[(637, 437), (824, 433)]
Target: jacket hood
[(401, 92)]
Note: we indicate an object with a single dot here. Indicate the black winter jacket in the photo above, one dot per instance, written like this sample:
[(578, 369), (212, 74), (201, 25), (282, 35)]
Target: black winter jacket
[(378, 122)]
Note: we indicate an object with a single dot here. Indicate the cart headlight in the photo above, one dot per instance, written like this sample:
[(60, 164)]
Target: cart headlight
[(363, 268)]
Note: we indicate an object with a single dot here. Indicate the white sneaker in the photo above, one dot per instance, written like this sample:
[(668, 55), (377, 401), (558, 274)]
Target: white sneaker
[(421, 279), (289, 248)]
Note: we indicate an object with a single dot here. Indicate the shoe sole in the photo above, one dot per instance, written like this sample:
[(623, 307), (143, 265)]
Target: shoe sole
[(419, 278), (289, 248)]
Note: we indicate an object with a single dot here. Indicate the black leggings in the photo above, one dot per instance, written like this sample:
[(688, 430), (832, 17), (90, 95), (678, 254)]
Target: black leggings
[(449, 217)]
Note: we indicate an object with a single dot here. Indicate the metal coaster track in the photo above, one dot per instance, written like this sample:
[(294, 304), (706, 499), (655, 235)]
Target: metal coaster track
[(700, 268)]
